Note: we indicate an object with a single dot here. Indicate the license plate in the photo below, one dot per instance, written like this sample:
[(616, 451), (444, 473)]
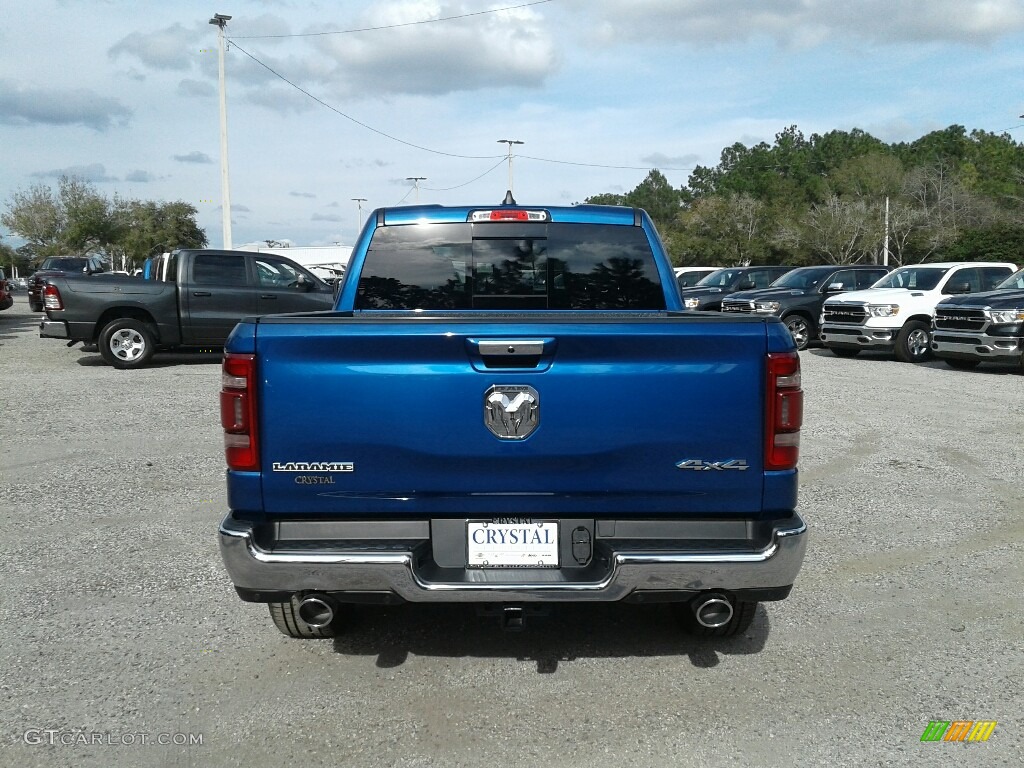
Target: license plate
[(512, 545)]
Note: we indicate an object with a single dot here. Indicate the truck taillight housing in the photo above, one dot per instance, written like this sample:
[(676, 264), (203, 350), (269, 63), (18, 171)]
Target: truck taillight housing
[(784, 401), (51, 298), (238, 412)]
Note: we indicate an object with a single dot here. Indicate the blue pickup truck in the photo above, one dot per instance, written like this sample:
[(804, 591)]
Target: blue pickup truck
[(509, 406)]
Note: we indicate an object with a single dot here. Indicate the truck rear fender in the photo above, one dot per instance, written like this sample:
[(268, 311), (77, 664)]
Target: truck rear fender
[(136, 313)]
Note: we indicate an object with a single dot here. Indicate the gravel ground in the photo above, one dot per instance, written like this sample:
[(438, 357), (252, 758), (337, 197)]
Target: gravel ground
[(119, 625)]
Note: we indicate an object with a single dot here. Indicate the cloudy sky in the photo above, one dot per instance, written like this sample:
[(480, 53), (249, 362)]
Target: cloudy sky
[(330, 101)]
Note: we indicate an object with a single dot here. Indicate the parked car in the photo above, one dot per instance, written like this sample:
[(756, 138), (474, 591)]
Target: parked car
[(710, 290), (60, 265), (687, 277), (895, 314), (797, 296), (6, 299), (981, 327)]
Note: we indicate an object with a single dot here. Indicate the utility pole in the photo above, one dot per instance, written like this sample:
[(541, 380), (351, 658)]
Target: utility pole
[(416, 182), (220, 20), (358, 222), (510, 142), (885, 250)]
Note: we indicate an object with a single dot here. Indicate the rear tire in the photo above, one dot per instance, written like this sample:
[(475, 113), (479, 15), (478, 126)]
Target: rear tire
[(961, 364), (914, 343), (35, 307), (286, 618), (742, 616), (126, 343)]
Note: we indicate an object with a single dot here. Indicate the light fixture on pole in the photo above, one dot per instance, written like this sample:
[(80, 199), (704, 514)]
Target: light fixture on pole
[(416, 182), (510, 142), (359, 204), (220, 20)]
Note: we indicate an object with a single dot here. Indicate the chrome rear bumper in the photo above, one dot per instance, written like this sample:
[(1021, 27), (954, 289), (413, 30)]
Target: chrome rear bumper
[(620, 568), (53, 329)]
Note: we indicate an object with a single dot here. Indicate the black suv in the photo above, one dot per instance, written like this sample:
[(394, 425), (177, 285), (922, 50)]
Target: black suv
[(797, 296), (59, 265), (709, 291)]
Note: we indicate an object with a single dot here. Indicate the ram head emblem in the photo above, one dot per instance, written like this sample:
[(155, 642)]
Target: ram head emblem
[(511, 412)]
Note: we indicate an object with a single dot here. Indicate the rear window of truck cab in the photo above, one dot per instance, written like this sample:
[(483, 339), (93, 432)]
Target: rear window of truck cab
[(509, 266)]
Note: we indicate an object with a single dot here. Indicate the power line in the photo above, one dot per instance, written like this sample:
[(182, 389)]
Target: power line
[(459, 186), (337, 111), (391, 26), (379, 132)]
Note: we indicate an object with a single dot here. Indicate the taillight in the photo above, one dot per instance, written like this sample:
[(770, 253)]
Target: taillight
[(238, 411), (784, 406), (51, 298)]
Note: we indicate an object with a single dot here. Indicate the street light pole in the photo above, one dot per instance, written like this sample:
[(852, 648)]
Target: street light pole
[(416, 182), (359, 204), (510, 142), (885, 252), (220, 20)]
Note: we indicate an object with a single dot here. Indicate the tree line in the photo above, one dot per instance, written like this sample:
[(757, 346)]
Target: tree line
[(75, 219), (951, 196)]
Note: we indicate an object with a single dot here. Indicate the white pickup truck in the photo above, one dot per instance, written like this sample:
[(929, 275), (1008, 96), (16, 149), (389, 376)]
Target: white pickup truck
[(895, 314)]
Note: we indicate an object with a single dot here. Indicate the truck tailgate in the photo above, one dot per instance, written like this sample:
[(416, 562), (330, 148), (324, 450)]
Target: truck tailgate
[(387, 416)]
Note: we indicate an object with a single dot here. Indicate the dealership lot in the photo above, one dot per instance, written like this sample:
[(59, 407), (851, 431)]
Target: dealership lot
[(123, 644)]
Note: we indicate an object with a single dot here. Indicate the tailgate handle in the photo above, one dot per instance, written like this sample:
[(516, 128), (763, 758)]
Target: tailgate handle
[(511, 354), (512, 348)]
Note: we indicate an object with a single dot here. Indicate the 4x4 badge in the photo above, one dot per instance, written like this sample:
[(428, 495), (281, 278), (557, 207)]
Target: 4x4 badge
[(699, 465)]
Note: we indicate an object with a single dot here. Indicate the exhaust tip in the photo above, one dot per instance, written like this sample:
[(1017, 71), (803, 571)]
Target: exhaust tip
[(316, 610), (712, 611)]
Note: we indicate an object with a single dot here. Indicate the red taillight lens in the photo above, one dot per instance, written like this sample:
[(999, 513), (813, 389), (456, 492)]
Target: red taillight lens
[(238, 411), (51, 298), (784, 406)]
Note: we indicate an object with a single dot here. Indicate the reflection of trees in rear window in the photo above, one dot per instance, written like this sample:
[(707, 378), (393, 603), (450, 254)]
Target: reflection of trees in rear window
[(390, 293), (510, 266)]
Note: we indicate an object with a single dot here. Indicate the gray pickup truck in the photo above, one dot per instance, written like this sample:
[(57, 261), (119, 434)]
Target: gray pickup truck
[(188, 299)]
